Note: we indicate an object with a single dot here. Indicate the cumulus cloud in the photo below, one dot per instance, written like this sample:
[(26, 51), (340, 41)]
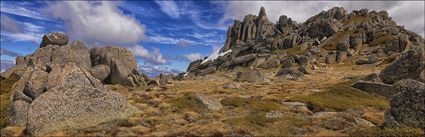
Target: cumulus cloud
[(407, 13), (170, 8), (8, 52), (100, 22), (193, 56), (153, 57)]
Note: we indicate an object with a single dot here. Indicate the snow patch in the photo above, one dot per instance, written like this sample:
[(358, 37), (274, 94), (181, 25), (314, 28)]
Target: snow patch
[(216, 54)]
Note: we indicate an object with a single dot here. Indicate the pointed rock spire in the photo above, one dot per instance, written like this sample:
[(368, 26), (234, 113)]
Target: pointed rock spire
[(262, 13)]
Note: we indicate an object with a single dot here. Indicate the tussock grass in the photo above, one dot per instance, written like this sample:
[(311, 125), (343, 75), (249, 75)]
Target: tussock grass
[(341, 97), (256, 105), (187, 102), (258, 125)]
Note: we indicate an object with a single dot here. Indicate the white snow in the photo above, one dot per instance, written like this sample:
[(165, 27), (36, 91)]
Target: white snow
[(216, 54)]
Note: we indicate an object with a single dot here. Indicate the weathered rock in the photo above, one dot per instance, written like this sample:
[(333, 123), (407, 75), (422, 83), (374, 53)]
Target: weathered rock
[(370, 60), (101, 72), (297, 107), (288, 62), (77, 101), (194, 65), (120, 61), (243, 59), (207, 71), (303, 60), (165, 79), (331, 59), (341, 56), (410, 65), (36, 84), (289, 72), (54, 38), (385, 90), (19, 109), (232, 85), (249, 76), (209, 102), (407, 107), (271, 62)]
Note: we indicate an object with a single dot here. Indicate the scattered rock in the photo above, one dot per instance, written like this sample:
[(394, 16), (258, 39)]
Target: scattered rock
[(249, 76), (274, 114), (385, 90), (232, 85), (210, 102)]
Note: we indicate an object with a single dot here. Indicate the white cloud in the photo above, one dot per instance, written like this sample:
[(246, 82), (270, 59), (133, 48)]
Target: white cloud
[(154, 57), (27, 36), (99, 22), (194, 56), (173, 41), (408, 13), (21, 11), (9, 24), (170, 8), (14, 30)]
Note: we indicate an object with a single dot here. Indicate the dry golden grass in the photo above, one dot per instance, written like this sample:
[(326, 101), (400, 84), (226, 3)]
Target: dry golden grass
[(341, 97), (5, 88)]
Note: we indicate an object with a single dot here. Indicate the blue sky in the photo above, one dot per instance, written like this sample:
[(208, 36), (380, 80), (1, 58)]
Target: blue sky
[(161, 34)]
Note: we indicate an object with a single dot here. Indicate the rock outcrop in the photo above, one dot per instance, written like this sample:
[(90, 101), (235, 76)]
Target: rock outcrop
[(410, 65), (59, 89), (77, 101), (122, 64), (333, 37), (54, 38)]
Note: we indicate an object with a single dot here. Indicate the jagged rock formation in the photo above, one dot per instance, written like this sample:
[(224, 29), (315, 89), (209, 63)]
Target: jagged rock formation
[(333, 36), (56, 89)]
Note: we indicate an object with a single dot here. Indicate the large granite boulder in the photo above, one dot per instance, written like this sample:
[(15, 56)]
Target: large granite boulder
[(122, 64), (385, 90), (54, 38), (410, 65), (77, 101), (407, 107)]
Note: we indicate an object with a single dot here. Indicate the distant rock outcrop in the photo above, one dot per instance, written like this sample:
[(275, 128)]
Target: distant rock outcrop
[(334, 36)]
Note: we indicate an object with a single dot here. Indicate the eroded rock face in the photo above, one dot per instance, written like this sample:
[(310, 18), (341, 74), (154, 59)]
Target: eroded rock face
[(121, 63), (101, 72), (385, 90), (410, 65), (54, 38), (407, 107), (77, 101)]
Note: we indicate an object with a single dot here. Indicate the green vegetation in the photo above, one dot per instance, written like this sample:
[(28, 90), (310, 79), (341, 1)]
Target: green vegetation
[(257, 123), (256, 105), (388, 132), (187, 102), (5, 88), (341, 97)]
